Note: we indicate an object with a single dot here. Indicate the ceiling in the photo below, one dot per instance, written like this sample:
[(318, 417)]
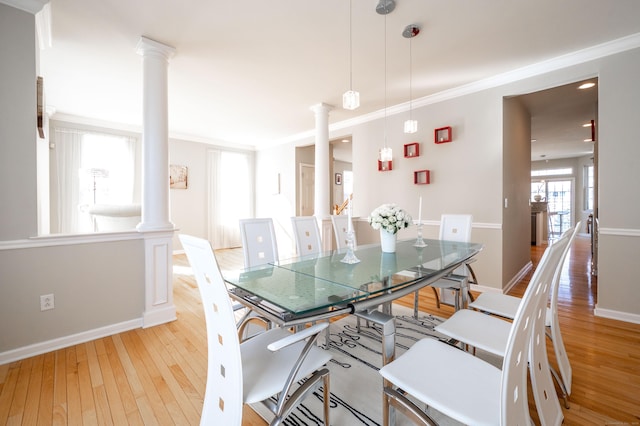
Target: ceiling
[(246, 72)]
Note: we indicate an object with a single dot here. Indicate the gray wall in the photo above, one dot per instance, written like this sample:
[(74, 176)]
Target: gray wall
[(18, 131), (98, 281), (516, 218)]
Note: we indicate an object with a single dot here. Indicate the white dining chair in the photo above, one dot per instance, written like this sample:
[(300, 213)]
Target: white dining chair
[(491, 334), (453, 227), (468, 389), (267, 368), (506, 306), (307, 235), (259, 244), (340, 228)]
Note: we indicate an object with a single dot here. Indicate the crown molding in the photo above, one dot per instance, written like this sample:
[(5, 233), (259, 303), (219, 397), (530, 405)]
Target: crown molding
[(31, 6), (575, 58)]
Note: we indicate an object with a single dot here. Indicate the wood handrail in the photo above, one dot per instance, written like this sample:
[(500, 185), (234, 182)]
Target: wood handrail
[(338, 209)]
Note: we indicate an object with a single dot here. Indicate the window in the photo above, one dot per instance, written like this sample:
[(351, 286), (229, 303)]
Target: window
[(92, 168), (588, 187), (552, 172)]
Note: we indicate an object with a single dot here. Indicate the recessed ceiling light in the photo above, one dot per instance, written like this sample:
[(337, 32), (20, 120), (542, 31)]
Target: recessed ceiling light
[(586, 85), (347, 140), (588, 140), (586, 125), (534, 140)]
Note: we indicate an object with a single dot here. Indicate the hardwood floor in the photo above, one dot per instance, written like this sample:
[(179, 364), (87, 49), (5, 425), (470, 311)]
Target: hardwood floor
[(157, 375)]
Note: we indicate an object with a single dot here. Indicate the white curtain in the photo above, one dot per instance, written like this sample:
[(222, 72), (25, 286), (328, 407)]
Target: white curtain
[(230, 196), (92, 168), (68, 152)]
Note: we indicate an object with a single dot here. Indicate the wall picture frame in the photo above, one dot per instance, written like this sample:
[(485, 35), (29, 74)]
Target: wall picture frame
[(178, 177)]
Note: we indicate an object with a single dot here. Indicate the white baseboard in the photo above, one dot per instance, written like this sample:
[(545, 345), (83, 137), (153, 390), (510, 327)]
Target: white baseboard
[(617, 315), (521, 273), (159, 316), (63, 342)]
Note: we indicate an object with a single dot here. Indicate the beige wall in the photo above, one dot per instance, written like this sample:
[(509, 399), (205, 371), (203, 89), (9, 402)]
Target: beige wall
[(516, 216), (467, 174)]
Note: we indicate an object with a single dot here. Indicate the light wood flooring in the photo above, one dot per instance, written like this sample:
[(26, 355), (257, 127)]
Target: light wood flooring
[(157, 375)]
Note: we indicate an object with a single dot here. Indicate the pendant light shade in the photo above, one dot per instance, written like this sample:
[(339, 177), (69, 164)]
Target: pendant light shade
[(410, 126), (386, 154), (350, 98)]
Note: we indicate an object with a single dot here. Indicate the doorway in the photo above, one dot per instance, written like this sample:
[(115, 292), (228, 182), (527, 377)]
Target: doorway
[(564, 122)]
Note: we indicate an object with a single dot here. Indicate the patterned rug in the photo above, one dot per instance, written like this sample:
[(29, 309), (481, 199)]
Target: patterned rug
[(356, 385)]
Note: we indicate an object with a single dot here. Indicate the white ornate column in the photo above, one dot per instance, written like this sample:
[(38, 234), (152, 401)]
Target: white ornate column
[(155, 225), (321, 200)]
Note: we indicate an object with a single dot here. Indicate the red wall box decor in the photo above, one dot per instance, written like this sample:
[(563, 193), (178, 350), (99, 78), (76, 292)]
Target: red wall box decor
[(412, 150), (442, 135), (422, 177), (385, 166)]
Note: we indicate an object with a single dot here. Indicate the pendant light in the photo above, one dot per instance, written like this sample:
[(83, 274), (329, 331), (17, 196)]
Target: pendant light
[(386, 153), (410, 31), (350, 98)]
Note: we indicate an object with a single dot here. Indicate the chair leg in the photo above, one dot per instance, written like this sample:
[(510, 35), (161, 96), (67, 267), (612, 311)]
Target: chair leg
[(326, 395), (563, 390), (435, 292)]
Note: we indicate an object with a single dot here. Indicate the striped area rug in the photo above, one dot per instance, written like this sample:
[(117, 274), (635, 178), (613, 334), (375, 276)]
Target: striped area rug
[(356, 385)]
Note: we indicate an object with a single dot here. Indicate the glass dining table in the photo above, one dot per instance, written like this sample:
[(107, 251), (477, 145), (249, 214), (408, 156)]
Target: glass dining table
[(301, 290)]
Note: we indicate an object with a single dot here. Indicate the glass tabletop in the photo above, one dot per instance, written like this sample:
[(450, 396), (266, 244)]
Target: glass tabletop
[(379, 272), (289, 290), (305, 284)]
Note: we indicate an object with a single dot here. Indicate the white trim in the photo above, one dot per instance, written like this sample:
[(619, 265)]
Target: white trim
[(524, 271), (476, 225), (31, 6), (159, 316), (520, 275), (620, 232), (69, 240), (616, 315), (43, 27), (64, 342), (578, 57)]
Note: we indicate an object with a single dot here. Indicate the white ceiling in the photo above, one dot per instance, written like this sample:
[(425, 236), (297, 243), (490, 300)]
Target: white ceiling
[(247, 71)]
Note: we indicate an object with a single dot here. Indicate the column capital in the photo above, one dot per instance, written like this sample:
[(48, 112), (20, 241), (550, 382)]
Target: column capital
[(321, 107), (147, 46)]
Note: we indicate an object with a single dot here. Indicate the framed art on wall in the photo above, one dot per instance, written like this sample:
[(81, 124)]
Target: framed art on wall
[(178, 177)]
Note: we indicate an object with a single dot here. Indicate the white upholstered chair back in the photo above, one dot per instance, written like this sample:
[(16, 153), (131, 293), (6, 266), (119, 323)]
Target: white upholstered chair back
[(307, 235), (259, 243), (223, 398), (340, 228), (456, 227), (525, 343)]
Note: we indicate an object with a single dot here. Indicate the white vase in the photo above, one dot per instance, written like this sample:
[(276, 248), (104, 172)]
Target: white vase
[(387, 241)]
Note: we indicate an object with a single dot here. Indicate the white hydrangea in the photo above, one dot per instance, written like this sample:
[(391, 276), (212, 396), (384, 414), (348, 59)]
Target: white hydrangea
[(389, 217)]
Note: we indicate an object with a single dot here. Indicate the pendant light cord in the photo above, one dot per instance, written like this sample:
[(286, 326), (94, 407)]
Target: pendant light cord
[(350, 46), (385, 81), (410, 79)]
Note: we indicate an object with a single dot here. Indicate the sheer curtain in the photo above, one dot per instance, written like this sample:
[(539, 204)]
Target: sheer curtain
[(230, 195), (92, 168), (68, 144)]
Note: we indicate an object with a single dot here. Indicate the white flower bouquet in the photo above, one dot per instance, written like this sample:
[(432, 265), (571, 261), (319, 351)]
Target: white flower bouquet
[(389, 217)]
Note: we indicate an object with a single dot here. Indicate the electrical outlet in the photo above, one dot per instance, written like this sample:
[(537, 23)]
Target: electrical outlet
[(46, 302)]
